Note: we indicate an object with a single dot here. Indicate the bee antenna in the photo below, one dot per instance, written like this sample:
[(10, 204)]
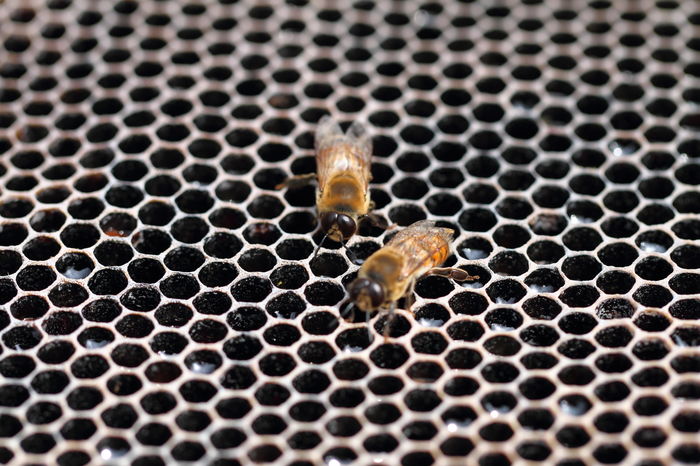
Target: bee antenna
[(341, 315), (346, 310), (318, 248), (351, 255)]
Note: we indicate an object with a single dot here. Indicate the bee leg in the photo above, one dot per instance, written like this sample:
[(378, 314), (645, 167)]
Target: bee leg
[(391, 316), (410, 299), (377, 221), (369, 328), (297, 181), (454, 273), (348, 310)]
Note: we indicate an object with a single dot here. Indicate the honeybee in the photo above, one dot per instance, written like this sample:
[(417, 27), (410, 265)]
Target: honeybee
[(343, 164), (391, 272)]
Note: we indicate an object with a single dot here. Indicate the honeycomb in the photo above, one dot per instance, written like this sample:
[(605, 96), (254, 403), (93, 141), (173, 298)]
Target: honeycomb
[(159, 299)]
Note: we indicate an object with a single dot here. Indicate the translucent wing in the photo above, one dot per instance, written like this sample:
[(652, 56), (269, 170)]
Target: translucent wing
[(337, 152), (423, 246)]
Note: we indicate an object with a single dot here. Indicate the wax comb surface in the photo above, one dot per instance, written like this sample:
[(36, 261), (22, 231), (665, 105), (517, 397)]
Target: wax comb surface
[(158, 299)]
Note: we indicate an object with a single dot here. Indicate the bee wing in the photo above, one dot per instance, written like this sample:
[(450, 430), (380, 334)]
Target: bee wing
[(423, 245), (337, 152)]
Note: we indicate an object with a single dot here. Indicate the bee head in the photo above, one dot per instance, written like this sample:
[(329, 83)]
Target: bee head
[(338, 227), (366, 293)]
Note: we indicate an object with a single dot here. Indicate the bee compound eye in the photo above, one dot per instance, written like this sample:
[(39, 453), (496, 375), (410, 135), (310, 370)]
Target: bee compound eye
[(346, 225), (376, 293), (356, 287), (328, 219)]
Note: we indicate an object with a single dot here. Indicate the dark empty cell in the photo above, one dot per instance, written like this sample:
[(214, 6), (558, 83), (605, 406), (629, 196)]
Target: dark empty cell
[(228, 218), (556, 116), (128, 355), (652, 295), (618, 254), (10, 261), (655, 214), (168, 343), (107, 282), (113, 253), (420, 108), (687, 229), (515, 180), (7, 292), (29, 307), (134, 326), (576, 375), (179, 286), (477, 219), (615, 308), (548, 224), (571, 436), (619, 227), (207, 331), (554, 169), (412, 161), (139, 119), (257, 260), (483, 140), (15, 208), (141, 299), (653, 268), (145, 270), (651, 321), (509, 263), (409, 188), (86, 208), (266, 207), (685, 283), (506, 291), (67, 295), (555, 143), (95, 337), (448, 151), (89, 366), (61, 322), (581, 267), (586, 184), (453, 124), (126, 196), (251, 289), (627, 120), (415, 134), (550, 196), (541, 307), (269, 178), (171, 158), (289, 276), (544, 280), (118, 224), (101, 310), (689, 174), (160, 185), (522, 128), (539, 335), (187, 230), (212, 303), (12, 234), (446, 178), (536, 388), (17, 366), (184, 259), (21, 183), (622, 201)]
